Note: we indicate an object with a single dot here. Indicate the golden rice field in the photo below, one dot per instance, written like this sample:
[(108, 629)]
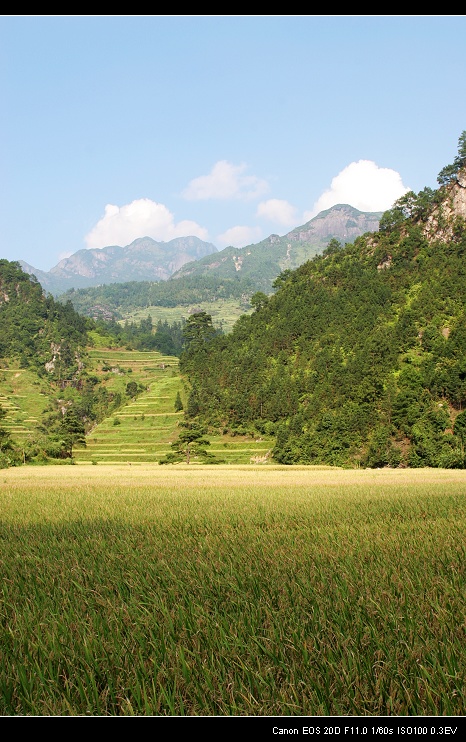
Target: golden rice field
[(232, 591)]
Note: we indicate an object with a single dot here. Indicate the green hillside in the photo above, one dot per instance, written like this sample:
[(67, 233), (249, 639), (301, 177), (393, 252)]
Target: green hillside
[(138, 430), (24, 398), (359, 358), (142, 430), (224, 313)]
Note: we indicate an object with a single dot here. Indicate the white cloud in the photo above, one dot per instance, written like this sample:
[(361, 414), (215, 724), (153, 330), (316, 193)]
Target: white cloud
[(240, 236), (363, 185), (225, 181), (141, 218), (277, 210)]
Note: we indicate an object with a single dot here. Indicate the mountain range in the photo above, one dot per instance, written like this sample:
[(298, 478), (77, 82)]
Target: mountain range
[(143, 260), (261, 263), (146, 259)]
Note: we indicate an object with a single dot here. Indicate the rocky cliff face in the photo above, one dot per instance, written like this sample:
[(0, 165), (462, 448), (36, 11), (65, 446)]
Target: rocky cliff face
[(342, 222), (441, 223)]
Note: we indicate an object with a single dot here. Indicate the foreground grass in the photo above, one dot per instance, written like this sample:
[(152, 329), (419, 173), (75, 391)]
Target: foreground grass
[(232, 591)]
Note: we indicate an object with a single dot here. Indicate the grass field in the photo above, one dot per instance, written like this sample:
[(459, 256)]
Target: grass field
[(232, 590)]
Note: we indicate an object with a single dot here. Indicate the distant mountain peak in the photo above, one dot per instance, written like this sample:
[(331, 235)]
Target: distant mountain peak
[(262, 263), (342, 222), (145, 259)]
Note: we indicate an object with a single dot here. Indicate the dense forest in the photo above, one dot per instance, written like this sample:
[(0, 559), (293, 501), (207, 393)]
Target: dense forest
[(47, 335), (359, 357)]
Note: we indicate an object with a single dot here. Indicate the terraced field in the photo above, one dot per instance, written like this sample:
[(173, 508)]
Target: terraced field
[(224, 313), (24, 398), (139, 432), (142, 431)]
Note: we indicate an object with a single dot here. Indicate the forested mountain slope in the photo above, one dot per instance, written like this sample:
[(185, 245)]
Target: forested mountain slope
[(359, 358), (44, 334), (117, 300), (261, 263)]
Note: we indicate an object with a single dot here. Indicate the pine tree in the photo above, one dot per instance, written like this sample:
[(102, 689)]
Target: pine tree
[(178, 403)]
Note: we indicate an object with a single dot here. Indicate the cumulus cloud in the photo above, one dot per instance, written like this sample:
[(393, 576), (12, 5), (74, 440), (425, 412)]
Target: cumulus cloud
[(120, 225), (363, 185), (278, 211), (225, 181), (239, 236)]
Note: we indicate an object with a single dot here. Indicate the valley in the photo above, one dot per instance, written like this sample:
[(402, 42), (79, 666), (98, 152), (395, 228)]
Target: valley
[(307, 348)]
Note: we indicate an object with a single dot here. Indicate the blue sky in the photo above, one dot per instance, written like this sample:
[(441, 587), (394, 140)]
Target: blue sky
[(231, 128)]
